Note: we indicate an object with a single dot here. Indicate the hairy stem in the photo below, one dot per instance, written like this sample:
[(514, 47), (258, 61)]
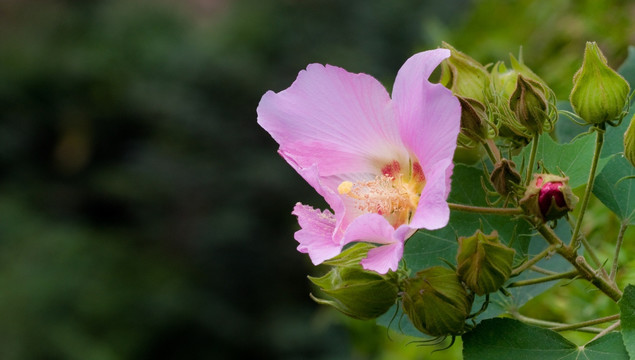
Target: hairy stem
[(585, 270), (485, 210), (542, 271), (618, 246), (566, 275), (589, 250), (607, 330), (550, 324), (599, 140), (586, 323), (532, 159), (533, 260), (492, 151)]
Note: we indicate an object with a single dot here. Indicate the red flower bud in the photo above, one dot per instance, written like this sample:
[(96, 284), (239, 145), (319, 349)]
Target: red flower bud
[(548, 197)]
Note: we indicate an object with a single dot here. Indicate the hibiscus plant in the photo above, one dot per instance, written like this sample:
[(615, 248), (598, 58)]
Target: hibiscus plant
[(454, 202)]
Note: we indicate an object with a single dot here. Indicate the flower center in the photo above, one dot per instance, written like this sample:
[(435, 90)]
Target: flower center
[(392, 194)]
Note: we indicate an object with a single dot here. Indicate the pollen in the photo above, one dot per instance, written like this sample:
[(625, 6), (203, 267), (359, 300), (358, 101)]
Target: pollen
[(345, 187), (391, 194)]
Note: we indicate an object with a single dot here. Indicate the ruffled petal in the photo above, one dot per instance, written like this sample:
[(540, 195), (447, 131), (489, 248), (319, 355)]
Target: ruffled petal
[(384, 258), (429, 119), (342, 122), (372, 228), (429, 115), (316, 235), (433, 211)]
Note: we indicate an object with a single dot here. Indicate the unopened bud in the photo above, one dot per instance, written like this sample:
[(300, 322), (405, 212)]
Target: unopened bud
[(599, 93), (436, 302), (463, 75), (484, 263), (529, 104), (549, 197), (629, 142), (473, 119), (468, 151), (524, 104), (356, 292), (504, 177)]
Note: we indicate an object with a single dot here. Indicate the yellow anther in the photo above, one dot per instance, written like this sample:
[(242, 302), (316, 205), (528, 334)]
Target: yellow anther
[(345, 187)]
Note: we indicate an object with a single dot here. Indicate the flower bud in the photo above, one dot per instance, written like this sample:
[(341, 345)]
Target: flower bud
[(549, 197), (468, 151), (356, 292), (629, 142), (599, 93), (523, 104), (473, 119), (484, 263), (529, 104), (463, 75), (504, 177), (436, 302)]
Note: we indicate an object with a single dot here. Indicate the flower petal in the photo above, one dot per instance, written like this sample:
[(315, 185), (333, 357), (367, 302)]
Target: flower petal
[(372, 228), (384, 258), (316, 235), (341, 121), (433, 211), (429, 118), (429, 115)]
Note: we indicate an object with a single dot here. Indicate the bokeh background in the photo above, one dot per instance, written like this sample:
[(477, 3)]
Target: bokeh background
[(145, 215)]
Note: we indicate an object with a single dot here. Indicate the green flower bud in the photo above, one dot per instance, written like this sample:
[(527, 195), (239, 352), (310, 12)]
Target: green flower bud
[(463, 75), (473, 119), (436, 302), (356, 292), (468, 151), (529, 104), (522, 103), (504, 177), (484, 263), (629, 142), (548, 197), (599, 93)]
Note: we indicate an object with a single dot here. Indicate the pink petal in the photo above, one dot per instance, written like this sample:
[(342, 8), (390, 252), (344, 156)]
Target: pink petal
[(384, 258), (372, 228), (433, 211), (316, 235), (429, 117), (342, 122)]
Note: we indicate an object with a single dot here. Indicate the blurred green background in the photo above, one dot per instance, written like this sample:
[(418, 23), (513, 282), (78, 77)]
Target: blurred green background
[(145, 215)]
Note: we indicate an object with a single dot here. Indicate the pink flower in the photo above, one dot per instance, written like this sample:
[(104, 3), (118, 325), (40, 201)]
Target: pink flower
[(383, 165)]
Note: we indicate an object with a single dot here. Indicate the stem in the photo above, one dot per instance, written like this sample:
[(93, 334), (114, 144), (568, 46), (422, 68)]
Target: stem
[(566, 275), (542, 271), (550, 324), (533, 260), (586, 323), (583, 267), (607, 330), (599, 140), (494, 156), (532, 159), (485, 210), (618, 246), (589, 250)]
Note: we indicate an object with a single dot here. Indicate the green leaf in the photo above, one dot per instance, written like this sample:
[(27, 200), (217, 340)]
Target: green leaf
[(614, 190), (627, 318), (503, 339), (574, 159)]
